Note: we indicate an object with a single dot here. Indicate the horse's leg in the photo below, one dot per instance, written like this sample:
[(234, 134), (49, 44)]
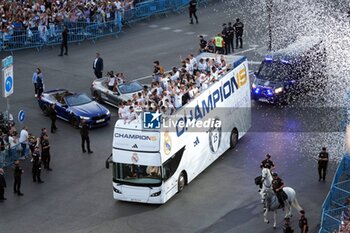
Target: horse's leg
[(274, 219), (288, 209), (265, 216)]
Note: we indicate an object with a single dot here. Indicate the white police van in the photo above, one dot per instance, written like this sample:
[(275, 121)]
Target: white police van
[(154, 157)]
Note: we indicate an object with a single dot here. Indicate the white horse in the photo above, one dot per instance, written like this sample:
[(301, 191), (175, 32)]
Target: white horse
[(270, 200)]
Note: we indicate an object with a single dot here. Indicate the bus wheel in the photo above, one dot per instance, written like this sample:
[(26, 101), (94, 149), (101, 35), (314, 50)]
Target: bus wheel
[(181, 182), (234, 138)]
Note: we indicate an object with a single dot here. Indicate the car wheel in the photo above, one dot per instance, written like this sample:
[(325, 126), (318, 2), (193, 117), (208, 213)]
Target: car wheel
[(181, 182), (75, 122), (233, 138)]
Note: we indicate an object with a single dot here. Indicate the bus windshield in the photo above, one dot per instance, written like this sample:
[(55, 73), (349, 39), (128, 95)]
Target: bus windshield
[(137, 174)]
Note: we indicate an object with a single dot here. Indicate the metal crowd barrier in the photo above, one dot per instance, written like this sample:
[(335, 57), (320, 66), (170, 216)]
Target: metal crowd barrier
[(80, 31), (335, 206)]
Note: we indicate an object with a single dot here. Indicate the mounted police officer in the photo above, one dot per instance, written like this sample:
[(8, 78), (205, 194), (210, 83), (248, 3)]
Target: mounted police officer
[(267, 162), (278, 185)]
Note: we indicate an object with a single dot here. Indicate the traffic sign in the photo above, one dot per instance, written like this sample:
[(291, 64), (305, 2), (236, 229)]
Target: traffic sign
[(21, 116), (7, 81), (7, 61)]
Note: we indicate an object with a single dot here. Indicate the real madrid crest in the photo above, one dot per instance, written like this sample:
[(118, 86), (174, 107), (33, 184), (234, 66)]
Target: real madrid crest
[(134, 158), (215, 137), (167, 143)]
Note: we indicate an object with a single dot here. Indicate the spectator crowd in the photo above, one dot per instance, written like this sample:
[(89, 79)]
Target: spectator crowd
[(27, 16)]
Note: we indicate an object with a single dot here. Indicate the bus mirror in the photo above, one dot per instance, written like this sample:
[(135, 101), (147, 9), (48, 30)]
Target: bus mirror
[(108, 160)]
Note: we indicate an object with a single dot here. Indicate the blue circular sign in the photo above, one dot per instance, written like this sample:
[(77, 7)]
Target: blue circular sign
[(9, 83), (21, 116)]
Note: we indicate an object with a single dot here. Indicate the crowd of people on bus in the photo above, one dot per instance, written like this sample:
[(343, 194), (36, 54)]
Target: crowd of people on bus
[(169, 91), (17, 17)]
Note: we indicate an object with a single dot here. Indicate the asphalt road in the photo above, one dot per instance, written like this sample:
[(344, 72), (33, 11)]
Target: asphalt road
[(77, 194)]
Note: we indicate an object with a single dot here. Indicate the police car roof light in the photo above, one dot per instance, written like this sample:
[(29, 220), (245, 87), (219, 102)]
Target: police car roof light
[(285, 61)]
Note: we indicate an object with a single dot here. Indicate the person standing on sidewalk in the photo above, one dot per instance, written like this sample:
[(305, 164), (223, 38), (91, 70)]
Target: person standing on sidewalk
[(45, 152), (84, 133), (34, 80), (193, 10), (2, 149), (36, 170), (64, 43), (23, 139), (2, 185), (18, 178)]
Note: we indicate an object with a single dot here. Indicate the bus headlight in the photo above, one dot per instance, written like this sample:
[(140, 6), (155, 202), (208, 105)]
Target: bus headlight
[(278, 90), (156, 194)]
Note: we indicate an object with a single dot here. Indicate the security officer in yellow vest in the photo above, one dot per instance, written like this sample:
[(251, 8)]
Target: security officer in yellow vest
[(219, 44)]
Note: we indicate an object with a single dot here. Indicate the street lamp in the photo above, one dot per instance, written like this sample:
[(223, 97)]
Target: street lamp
[(269, 12)]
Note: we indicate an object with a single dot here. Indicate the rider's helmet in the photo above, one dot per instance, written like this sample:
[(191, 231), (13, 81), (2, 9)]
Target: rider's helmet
[(274, 174)]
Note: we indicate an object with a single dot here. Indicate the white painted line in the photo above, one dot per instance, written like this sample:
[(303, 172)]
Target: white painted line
[(254, 62), (165, 28), (204, 35), (244, 51), (189, 33), (177, 30), (153, 26)]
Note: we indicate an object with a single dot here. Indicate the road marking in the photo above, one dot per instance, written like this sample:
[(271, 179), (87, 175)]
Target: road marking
[(254, 62), (165, 28), (189, 33), (177, 30), (153, 26)]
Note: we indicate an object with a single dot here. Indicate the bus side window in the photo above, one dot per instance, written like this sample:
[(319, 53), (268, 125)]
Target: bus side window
[(170, 166)]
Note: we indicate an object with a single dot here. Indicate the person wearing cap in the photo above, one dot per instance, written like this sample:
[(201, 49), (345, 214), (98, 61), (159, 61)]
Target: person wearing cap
[(267, 163), (239, 33), (286, 227), (322, 164), (230, 35), (2, 185), (225, 36), (303, 225), (18, 178), (36, 169), (84, 133), (277, 186)]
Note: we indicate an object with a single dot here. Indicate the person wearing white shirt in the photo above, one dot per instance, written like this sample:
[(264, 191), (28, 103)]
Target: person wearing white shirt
[(176, 74), (121, 110), (178, 100), (189, 66), (193, 61), (111, 81), (23, 139), (13, 147)]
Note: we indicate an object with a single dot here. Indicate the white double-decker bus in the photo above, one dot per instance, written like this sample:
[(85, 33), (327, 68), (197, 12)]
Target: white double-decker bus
[(154, 157)]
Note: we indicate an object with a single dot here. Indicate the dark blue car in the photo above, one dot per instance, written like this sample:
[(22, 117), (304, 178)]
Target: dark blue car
[(73, 107)]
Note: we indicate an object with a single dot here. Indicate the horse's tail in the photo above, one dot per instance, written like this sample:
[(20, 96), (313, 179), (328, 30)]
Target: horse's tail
[(296, 205)]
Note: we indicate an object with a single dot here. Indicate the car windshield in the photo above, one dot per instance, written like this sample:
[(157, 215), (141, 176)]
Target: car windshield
[(275, 71), (75, 100), (130, 87), (137, 174)]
